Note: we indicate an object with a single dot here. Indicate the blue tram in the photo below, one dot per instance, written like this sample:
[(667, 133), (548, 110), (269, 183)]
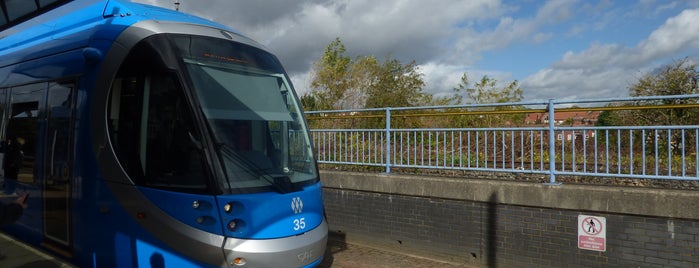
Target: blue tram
[(152, 138)]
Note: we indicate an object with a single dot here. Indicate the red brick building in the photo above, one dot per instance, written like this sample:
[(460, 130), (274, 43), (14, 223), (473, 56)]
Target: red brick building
[(567, 119)]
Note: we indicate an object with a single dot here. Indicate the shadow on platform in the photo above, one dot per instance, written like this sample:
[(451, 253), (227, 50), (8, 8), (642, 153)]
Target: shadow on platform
[(336, 244)]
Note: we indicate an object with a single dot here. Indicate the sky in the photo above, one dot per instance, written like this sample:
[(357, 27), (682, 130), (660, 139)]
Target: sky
[(558, 49)]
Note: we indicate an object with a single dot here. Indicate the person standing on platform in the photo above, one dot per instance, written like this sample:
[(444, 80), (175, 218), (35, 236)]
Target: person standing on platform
[(13, 161)]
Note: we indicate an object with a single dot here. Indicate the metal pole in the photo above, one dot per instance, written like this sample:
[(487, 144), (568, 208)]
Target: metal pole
[(552, 144), (388, 139)]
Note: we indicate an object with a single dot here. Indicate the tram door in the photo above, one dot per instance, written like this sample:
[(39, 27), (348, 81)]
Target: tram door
[(22, 143), (58, 161), (37, 149)]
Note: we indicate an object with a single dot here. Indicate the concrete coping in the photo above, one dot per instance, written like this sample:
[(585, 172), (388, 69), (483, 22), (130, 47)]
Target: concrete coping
[(670, 203)]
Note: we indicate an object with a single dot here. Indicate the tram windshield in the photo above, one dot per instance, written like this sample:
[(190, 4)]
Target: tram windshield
[(257, 127), (250, 137)]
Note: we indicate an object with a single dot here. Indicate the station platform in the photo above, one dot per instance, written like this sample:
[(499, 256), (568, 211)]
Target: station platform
[(17, 254)]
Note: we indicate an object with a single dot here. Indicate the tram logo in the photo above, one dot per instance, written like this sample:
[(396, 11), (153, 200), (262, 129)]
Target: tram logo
[(305, 256), (297, 205)]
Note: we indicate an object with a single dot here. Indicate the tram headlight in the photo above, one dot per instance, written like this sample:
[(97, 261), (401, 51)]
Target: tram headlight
[(227, 208), (232, 225), (239, 261)]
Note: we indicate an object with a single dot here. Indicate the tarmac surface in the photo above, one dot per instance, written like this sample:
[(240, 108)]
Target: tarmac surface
[(342, 255), (16, 254)]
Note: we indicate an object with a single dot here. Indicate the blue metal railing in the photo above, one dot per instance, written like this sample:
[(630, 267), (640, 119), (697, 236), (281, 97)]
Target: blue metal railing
[(649, 152)]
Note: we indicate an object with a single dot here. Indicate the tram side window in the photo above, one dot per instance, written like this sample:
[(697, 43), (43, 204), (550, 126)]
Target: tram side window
[(152, 131), (22, 134)]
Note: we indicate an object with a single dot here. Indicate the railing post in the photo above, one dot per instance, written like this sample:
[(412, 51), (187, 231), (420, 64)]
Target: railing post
[(388, 140), (552, 143)]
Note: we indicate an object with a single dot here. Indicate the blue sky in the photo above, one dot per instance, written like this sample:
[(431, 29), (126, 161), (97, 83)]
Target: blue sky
[(614, 22), (562, 49)]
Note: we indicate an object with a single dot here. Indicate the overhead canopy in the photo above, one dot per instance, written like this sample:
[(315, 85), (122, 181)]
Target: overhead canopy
[(14, 12)]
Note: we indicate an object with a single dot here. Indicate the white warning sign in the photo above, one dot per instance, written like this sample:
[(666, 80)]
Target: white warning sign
[(592, 233)]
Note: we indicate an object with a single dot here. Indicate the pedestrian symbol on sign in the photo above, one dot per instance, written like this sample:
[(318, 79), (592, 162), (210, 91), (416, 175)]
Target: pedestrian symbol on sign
[(592, 226)]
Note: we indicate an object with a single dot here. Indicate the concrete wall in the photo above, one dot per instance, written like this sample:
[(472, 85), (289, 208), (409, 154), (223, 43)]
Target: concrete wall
[(512, 224)]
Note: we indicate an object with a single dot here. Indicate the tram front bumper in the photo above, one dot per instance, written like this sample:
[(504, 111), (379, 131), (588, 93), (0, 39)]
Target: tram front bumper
[(294, 251)]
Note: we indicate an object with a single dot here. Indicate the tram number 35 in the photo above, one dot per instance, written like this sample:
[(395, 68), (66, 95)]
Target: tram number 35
[(299, 224)]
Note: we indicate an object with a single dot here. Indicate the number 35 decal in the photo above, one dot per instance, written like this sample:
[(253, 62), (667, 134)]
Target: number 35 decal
[(299, 224)]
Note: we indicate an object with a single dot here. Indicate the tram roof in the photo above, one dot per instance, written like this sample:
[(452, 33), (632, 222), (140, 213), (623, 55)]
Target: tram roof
[(76, 22)]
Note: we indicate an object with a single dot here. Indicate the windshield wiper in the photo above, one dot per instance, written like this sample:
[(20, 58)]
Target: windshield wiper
[(280, 182)]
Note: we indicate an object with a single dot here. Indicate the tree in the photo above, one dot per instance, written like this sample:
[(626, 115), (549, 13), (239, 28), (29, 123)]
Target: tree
[(342, 83), (330, 83), (679, 78), (610, 118), (485, 91), (396, 85), (309, 103)]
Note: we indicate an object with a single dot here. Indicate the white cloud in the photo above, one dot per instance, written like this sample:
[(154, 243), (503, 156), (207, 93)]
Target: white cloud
[(541, 37), (576, 84), (607, 70), (442, 78), (449, 37), (408, 30), (556, 11), (596, 55), (301, 82), (471, 44), (678, 34)]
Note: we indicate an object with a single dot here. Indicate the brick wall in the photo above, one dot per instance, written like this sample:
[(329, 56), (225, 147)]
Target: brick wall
[(491, 234), (404, 223)]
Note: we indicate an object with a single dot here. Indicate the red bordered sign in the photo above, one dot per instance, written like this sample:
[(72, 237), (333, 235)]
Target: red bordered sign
[(592, 233)]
